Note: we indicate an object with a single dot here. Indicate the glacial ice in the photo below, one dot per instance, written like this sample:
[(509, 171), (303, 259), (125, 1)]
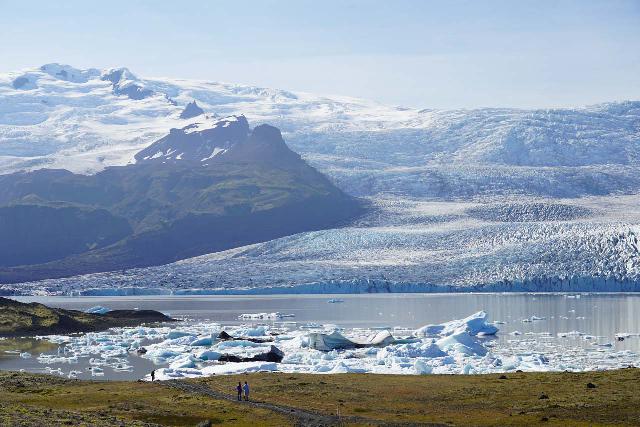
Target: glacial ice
[(476, 324), (464, 346), (404, 246), (485, 200), (97, 309), (263, 316)]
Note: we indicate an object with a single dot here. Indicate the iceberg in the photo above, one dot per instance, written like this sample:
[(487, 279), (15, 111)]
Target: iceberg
[(476, 324), (335, 341), (265, 316), (97, 309)]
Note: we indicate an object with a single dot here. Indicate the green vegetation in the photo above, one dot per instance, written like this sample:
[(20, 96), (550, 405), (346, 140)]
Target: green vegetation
[(19, 319), (29, 400), (478, 400)]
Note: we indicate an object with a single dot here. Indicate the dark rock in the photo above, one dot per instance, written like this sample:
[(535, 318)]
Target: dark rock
[(205, 423), (191, 110), (224, 336), (543, 396), (502, 377), (591, 385), (128, 88), (133, 91), (273, 355), (20, 82), (198, 146)]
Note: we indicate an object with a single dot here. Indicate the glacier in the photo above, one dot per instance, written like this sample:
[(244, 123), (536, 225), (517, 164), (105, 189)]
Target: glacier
[(491, 199)]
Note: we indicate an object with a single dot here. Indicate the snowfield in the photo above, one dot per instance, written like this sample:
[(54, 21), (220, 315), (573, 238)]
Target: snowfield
[(85, 120), (487, 199)]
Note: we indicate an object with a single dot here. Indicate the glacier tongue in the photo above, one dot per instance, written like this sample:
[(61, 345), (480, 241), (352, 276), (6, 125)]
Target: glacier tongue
[(409, 246)]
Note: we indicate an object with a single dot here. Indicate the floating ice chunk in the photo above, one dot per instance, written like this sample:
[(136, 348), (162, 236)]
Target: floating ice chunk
[(262, 316), (186, 361), (164, 374), (74, 374), (422, 368), (258, 331), (208, 355), (97, 309), (413, 350), (515, 333), (175, 333), (462, 342), (476, 324), (161, 355), (342, 368), (237, 343), (25, 355), (335, 340), (533, 319), (203, 341), (570, 334), (335, 301)]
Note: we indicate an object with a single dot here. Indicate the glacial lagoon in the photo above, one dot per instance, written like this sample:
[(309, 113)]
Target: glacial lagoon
[(535, 332)]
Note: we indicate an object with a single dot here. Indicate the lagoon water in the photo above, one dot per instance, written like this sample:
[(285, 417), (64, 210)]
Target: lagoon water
[(598, 318)]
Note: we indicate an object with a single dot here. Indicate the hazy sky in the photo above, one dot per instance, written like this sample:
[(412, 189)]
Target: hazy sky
[(426, 54)]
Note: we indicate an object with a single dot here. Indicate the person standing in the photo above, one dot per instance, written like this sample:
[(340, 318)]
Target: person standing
[(153, 375), (246, 391), (239, 390)]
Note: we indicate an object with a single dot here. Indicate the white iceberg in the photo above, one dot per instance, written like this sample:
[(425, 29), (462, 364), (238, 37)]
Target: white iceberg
[(476, 324), (97, 309)]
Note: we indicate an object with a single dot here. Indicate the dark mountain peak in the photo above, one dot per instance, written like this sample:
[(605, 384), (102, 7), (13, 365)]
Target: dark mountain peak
[(191, 110), (115, 75), (264, 145), (267, 134), (228, 139), (124, 82)]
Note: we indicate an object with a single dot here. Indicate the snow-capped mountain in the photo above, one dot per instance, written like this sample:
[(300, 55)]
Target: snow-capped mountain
[(502, 199), (185, 196), (83, 120)]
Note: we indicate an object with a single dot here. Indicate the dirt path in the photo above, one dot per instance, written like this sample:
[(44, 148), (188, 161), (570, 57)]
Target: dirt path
[(301, 417)]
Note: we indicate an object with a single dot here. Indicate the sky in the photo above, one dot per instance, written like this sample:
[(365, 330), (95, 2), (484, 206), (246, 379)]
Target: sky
[(420, 53)]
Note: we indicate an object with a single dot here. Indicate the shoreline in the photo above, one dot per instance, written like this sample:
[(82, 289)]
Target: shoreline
[(290, 291)]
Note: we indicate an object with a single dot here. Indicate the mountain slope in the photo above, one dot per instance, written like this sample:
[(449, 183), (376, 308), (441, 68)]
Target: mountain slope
[(175, 207), (84, 120), (493, 198)]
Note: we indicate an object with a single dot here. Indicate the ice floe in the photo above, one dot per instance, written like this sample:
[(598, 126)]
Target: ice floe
[(264, 316), (466, 346), (97, 309)]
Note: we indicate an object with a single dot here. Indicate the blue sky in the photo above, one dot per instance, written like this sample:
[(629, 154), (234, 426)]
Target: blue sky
[(426, 54)]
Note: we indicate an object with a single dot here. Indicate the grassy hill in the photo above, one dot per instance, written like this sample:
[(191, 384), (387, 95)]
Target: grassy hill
[(20, 319)]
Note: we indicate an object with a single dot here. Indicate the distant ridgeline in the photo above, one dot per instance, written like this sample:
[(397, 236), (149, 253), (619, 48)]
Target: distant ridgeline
[(207, 187)]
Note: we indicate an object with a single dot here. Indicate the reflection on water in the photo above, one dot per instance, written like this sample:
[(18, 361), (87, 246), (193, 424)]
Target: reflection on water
[(600, 316), (11, 346)]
